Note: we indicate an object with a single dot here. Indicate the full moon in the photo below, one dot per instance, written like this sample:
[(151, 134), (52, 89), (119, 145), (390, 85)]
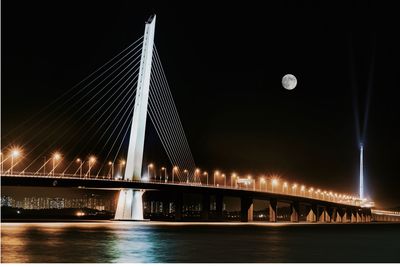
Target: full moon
[(289, 81)]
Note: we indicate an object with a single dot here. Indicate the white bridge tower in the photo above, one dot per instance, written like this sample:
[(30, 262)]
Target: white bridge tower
[(130, 201)]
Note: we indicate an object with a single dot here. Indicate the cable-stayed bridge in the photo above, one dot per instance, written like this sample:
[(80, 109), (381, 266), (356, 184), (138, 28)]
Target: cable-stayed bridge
[(108, 111)]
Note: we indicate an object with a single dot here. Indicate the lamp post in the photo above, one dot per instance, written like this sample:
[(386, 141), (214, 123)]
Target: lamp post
[(165, 174), (285, 187), (56, 157), (111, 171), (1, 162), (91, 162), (311, 191), (274, 182), (78, 160), (224, 176), (206, 174), (174, 169), (216, 173), (15, 153), (233, 176), (187, 175), (122, 164), (150, 166), (197, 174), (302, 190), (294, 187), (262, 181)]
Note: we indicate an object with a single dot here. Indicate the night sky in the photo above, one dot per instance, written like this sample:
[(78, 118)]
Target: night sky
[(225, 63)]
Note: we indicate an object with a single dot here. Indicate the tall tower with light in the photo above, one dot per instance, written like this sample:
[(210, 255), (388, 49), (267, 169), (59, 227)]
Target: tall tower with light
[(361, 171)]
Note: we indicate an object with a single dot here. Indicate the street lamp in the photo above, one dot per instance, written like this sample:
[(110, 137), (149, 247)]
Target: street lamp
[(187, 175), (1, 162), (284, 187), (174, 169), (274, 182), (317, 192), (206, 174), (111, 164), (262, 181), (165, 174), (150, 166), (311, 190), (294, 189), (15, 153), (224, 176), (216, 173), (56, 157), (78, 160), (196, 174), (91, 162), (302, 190), (122, 164), (233, 176)]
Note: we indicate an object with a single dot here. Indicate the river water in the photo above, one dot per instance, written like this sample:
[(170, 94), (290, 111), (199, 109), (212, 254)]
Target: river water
[(97, 242)]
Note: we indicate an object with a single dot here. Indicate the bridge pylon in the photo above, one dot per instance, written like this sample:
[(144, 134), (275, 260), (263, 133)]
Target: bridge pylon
[(130, 202)]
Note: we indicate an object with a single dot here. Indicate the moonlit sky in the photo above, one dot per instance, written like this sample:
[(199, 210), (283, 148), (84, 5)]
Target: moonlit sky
[(225, 63)]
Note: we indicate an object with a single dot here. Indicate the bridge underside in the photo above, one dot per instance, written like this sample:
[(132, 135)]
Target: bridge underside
[(279, 207)]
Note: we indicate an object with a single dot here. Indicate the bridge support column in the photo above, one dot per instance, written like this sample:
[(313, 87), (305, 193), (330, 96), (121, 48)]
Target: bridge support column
[(349, 216), (219, 198), (295, 208), (358, 216), (178, 206), (353, 216), (246, 209), (205, 207), (273, 204), (312, 214), (330, 214), (130, 205)]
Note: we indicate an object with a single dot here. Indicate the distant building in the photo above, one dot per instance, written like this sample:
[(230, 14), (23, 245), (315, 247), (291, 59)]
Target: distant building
[(7, 201)]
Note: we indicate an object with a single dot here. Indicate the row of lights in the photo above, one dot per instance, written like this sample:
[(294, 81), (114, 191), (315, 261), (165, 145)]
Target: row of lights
[(275, 181), (16, 152)]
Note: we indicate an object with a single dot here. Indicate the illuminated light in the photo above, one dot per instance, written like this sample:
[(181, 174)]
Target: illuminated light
[(175, 168), (78, 160), (162, 168), (233, 174), (205, 173), (249, 177), (151, 165), (216, 172), (56, 156), (15, 152), (123, 162), (274, 181), (197, 170), (262, 179), (185, 171), (80, 213), (285, 184), (110, 163), (92, 159), (294, 186)]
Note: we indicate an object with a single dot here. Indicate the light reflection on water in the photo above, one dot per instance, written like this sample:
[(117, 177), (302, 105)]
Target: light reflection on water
[(186, 242)]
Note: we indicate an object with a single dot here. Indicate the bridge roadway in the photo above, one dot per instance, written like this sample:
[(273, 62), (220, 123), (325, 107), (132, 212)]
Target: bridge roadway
[(318, 210)]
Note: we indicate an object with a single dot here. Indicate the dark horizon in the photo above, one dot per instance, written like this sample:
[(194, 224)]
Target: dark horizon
[(225, 64)]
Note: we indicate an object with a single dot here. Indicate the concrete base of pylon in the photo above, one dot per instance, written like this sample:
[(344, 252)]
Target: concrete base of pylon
[(130, 205)]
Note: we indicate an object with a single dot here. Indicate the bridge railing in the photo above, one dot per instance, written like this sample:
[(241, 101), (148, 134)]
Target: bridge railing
[(355, 202)]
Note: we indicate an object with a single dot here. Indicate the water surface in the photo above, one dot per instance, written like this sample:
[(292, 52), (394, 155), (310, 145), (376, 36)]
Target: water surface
[(198, 242)]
